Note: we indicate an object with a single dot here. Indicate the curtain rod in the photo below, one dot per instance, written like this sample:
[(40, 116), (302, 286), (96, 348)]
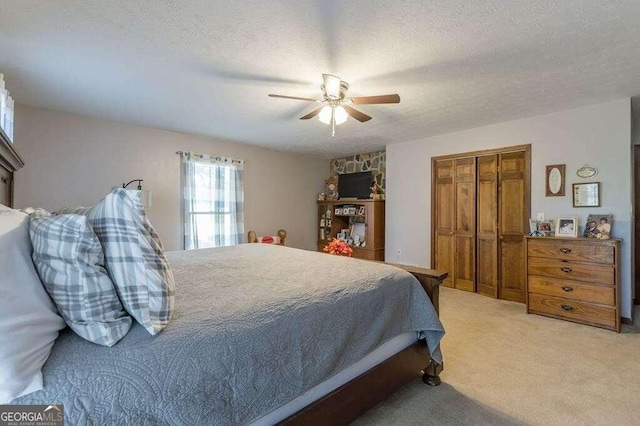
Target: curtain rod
[(215, 157)]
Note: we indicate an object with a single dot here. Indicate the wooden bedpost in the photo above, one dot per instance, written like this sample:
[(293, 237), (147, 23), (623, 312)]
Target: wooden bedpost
[(283, 236)]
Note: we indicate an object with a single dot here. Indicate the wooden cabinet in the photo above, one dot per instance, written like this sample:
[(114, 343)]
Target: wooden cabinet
[(368, 220), (480, 211), (574, 279), (10, 161)]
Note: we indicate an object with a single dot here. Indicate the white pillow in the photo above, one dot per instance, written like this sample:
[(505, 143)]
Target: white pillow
[(29, 323)]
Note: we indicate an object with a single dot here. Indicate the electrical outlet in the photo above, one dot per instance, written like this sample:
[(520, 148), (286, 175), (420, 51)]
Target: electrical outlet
[(398, 254)]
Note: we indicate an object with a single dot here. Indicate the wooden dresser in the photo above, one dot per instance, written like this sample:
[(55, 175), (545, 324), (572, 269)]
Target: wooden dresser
[(574, 279)]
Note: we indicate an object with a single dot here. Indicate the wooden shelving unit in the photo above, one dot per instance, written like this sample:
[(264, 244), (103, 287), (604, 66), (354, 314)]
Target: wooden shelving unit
[(330, 224)]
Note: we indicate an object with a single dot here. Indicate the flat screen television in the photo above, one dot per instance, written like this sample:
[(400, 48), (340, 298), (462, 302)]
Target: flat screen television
[(355, 185)]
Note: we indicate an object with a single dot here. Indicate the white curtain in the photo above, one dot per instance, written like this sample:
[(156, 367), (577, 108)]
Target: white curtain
[(212, 201)]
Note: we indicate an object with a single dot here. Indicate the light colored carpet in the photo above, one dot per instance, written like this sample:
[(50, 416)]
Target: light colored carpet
[(503, 366)]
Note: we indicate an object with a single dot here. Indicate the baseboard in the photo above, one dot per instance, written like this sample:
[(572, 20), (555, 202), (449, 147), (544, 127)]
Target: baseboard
[(627, 321)]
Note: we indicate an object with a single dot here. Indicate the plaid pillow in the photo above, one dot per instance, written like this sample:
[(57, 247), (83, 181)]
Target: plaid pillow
[(70, 262), (134, 257)]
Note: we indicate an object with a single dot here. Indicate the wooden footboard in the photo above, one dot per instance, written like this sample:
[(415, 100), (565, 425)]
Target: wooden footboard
[(351, 400)]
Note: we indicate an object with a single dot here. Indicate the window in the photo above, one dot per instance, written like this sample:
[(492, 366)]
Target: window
[(212, 201)]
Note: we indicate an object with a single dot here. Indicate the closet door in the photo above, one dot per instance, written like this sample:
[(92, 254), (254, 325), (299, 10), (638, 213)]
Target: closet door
[(444, 219), (513, 181), (487, 241), (465, 224)]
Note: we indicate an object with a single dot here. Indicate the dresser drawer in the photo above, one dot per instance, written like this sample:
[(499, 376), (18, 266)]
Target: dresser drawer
[(572, 290), (555, 268), (571, 250), (604, 316)]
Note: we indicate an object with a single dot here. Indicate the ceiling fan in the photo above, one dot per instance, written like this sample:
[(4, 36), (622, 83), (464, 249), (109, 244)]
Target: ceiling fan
[(336, 107)]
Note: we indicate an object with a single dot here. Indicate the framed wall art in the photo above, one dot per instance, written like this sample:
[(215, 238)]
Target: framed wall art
[(554, 177), (586, 194)]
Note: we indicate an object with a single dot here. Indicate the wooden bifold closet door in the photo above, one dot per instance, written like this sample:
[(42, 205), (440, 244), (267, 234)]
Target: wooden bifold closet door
[(480, 211), (487, 238)]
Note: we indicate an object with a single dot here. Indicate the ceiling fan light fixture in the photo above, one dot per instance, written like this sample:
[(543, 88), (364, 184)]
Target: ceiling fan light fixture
[(325, 114), (331, 86), (340, 115)]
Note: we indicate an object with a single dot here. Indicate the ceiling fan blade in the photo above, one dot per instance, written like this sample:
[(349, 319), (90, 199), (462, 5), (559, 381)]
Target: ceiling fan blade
[(380, 99), (293, 97), (360, 116), (311, 114)]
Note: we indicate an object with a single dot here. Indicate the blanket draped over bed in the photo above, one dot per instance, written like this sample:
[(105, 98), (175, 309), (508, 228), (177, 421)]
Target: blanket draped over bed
[(256, 325)]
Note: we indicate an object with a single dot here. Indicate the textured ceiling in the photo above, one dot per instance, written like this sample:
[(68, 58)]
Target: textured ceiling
[(205, 66)]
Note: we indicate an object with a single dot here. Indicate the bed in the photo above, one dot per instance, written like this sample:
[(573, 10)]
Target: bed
[(262, 334), (257, 326)]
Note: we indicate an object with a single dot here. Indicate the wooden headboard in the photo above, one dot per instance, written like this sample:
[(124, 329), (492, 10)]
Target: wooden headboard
[(10, 161)]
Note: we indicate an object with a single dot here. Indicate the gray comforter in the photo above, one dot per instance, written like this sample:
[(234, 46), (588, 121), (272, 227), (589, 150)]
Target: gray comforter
[(255, 326)]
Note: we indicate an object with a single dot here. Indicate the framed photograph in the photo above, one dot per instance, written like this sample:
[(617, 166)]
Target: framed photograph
[(567, 226), (598, 226), (586, 194), (555, 180), (321, 223), (545, 227)]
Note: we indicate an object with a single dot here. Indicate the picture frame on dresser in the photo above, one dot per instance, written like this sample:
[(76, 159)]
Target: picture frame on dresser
[(567, 226), (598, 226)]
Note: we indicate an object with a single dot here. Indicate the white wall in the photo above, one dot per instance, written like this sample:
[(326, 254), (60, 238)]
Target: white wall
[(599, 135), (75, 160)]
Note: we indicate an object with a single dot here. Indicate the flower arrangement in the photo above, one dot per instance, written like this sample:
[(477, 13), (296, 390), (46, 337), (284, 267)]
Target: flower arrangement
[(339, 248)]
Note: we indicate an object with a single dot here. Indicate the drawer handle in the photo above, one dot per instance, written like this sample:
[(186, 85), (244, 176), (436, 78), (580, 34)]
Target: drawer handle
[(567, 308), (565, 269), (565, 250), (567, 288)]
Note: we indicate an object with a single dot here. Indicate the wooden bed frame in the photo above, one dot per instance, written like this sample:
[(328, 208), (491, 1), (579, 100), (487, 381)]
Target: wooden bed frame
[(352, 399)]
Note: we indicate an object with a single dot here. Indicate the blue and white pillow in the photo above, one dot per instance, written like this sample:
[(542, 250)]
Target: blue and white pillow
[(69, 259), (134, 257)]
